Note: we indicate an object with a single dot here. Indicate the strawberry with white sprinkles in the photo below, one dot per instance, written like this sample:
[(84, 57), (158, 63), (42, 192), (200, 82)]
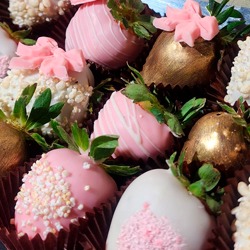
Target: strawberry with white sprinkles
[(65, 184)]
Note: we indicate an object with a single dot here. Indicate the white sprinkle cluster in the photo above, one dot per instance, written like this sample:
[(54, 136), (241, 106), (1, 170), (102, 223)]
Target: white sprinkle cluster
[(239, 84), (45, 195), (29, 13), (242, 214), (74, 95)]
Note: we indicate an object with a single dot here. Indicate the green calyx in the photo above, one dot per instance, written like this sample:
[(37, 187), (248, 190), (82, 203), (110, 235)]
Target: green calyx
[(241, 116), (204, 185), (19, 35), (233, 29), (99, 149), (129, 13), (41, 113), (141, 95)]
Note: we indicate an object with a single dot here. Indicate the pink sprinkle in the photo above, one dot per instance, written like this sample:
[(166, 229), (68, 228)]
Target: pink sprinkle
[(147, 232)]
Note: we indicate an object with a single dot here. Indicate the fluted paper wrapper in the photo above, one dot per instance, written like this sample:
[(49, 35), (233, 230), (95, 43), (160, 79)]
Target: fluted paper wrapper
[(4, 12), (225, 220), (89, 232), (217, 90)]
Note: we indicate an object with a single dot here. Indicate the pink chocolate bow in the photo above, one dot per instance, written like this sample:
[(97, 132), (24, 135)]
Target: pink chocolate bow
[(188, 23), (46, 56)]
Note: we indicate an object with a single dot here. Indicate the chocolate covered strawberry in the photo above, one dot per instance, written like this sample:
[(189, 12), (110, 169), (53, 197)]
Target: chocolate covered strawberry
[(8, 46), (187, 51), (18, 128), (220, 138), (146, 128), (110, 33)]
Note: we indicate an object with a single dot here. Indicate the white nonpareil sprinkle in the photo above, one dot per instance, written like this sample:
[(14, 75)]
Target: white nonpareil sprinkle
[(242, 214), (87, 188), (80, 207), (86, 165), (239, 84), (74, 108), (29, 13), (53, 202)]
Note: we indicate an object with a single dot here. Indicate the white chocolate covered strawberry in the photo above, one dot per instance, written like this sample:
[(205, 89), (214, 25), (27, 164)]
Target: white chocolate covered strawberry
[(8, 46), (33, 12), (65, 73), (157, 212)]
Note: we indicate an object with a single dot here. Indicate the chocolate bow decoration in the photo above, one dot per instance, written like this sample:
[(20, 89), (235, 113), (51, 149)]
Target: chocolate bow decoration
[(48, 58), (188, 23)]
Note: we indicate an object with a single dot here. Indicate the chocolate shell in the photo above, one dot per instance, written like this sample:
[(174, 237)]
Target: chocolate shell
[(177, 64)]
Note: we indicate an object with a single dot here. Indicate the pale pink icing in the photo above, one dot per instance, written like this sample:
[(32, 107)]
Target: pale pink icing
[(188, 23), (102, 40), (145, 231), (51, 60), (62, 186), (140, 135), (4, 63), (76, 2)]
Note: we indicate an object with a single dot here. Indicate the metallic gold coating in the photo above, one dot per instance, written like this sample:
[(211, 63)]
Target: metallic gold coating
[(217, 139), (12, 148), (177, 64)]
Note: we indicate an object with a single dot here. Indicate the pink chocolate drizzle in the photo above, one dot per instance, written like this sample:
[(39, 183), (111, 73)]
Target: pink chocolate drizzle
[(140, 135)]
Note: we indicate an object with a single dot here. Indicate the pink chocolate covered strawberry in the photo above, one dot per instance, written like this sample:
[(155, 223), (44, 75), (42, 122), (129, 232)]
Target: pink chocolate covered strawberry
[(145, 127), (66, 183), (110, 33)]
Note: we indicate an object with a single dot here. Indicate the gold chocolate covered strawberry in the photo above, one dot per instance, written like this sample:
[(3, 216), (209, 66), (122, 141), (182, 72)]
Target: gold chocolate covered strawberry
[(187, 51), (19, 128), (220, 138)]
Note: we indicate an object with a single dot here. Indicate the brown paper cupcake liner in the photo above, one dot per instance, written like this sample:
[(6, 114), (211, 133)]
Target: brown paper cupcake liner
[(217, 90), (225, 220), (59, 26), (4, 12), (9, 187), (89, 233), (95, 234)]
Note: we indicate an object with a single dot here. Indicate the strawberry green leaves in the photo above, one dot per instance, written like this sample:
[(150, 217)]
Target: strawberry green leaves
[(99, 149), (103, 147), (129, 13), (205, 186), (140, 94), (19, 35), (41, 113), (233, 29), (241, 116)]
